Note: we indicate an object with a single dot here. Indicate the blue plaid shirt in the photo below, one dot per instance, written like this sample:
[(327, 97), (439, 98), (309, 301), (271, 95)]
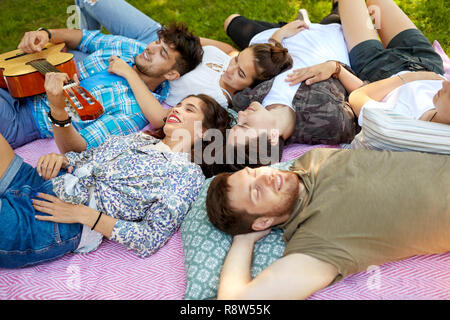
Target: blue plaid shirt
[(122, 114)]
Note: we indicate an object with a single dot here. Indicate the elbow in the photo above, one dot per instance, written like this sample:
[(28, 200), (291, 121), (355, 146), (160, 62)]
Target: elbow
[(353, 99)]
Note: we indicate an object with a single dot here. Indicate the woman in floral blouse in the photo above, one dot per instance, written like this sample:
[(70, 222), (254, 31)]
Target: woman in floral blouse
[(133, 189)]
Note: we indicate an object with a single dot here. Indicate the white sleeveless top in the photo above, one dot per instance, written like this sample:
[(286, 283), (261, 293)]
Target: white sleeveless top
[(203, 79)]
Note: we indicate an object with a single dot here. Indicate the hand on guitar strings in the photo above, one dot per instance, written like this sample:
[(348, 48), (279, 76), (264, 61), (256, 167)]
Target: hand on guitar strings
[(54, 83)]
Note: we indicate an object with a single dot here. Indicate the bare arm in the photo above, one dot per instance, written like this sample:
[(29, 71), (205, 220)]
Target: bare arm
[(63, 212), (288, 30), (67, 138), (33, 41), (295, 276), (324, 71), (225, 47), (150, 106), (379, 89)]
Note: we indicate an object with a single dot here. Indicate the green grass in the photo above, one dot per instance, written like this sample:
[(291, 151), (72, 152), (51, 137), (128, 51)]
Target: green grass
[(205, 18)]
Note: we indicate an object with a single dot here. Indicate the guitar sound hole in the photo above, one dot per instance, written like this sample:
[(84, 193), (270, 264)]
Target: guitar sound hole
[(20, 55)]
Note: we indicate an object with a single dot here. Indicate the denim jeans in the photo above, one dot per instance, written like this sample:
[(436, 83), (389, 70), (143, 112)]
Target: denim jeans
[(24, 240), (17, 124), (119, 18)]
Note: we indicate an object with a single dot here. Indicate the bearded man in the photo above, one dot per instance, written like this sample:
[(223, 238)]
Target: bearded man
[(174, 52), (342, 211)]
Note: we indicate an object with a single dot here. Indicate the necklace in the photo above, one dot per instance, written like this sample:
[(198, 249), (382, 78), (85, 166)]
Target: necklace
[(433, 116)]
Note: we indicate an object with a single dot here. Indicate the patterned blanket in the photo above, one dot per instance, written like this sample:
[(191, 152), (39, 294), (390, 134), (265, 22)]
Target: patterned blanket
[(114, 273)]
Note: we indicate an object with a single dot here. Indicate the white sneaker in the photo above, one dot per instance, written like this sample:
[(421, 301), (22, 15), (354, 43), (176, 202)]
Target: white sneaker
[(303, 15)]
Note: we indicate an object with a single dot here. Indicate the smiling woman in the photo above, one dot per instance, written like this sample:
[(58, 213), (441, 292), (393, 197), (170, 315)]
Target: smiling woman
[(140, 204)]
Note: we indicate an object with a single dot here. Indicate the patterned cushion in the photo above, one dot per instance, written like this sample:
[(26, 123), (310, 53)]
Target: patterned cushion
[(205, 248)]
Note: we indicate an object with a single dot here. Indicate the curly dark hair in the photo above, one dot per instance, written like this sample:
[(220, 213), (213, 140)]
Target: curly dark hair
[(177, 36)]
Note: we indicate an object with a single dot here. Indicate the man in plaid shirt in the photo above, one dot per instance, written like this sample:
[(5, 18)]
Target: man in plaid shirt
[(174, 52)]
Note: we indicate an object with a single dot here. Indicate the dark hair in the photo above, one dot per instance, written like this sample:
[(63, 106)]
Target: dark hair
[(237, 157), (270, 60), (185, 43), (220, 213), (215, 117)]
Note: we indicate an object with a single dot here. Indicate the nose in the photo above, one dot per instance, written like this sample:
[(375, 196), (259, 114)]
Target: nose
[(152, 47), (241, 117), (265, 178)]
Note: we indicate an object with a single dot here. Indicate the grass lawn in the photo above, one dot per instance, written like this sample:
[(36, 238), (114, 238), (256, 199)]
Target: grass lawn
[(205, 18)]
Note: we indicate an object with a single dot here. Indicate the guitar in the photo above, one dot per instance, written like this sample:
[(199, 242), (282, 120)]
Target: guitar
[(23, 74)]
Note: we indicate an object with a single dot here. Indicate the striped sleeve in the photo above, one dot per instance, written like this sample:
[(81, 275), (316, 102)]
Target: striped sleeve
[(385, 130)]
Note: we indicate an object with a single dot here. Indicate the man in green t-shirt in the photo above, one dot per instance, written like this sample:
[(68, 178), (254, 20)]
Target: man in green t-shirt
[(342, 211)]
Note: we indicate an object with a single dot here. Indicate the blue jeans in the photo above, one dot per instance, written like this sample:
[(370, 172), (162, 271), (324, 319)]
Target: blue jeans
[(119, 18), (17, 124), (24, 240)]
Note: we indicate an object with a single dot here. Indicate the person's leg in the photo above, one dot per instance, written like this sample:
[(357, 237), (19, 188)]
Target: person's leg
[(17, 125), (389, 19), (7, 155), (333, 17), (119, 18), (25, 240), (356, 22), (398, 32), (241, 29)]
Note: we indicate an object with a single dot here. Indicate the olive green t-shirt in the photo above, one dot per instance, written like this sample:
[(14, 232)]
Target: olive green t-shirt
[(362, 208)]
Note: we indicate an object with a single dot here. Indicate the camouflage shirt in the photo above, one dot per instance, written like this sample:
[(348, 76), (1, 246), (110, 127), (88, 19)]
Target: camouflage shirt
[(323, 113)]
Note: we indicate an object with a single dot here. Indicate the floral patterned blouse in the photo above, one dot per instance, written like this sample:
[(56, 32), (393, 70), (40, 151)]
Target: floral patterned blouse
[(148, 191)]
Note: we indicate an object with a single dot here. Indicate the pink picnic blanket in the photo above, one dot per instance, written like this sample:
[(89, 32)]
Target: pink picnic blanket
[(114, 273)]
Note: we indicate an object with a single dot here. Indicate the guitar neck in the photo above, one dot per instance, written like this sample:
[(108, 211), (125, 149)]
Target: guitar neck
[(43, 66)]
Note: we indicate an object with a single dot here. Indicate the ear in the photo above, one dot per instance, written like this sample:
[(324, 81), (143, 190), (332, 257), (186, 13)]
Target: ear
[(274, 137), (262, 223), (172, 75)]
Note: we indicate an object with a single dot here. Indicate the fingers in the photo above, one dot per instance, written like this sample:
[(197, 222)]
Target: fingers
[(48, 166), (299, 75), (313, 80), (48, 197), (75, 78), (44, 207), (54, 82), (33, 41)]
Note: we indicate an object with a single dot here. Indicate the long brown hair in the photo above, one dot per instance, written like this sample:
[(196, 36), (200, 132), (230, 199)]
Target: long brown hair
[(214, 117)]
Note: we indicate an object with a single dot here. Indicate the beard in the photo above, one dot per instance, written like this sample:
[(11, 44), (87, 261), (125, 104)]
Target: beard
[(143, 67), (289, 197)]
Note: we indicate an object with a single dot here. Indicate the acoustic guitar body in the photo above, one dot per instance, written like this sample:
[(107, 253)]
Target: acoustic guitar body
[(22, 80)]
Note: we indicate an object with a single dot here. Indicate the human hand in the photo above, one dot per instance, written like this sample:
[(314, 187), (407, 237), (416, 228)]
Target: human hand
[(59, 211), (313, 74), (290, 29), (48, 166), (54, 82), (252, 237), (119, 67), (33, 41)]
